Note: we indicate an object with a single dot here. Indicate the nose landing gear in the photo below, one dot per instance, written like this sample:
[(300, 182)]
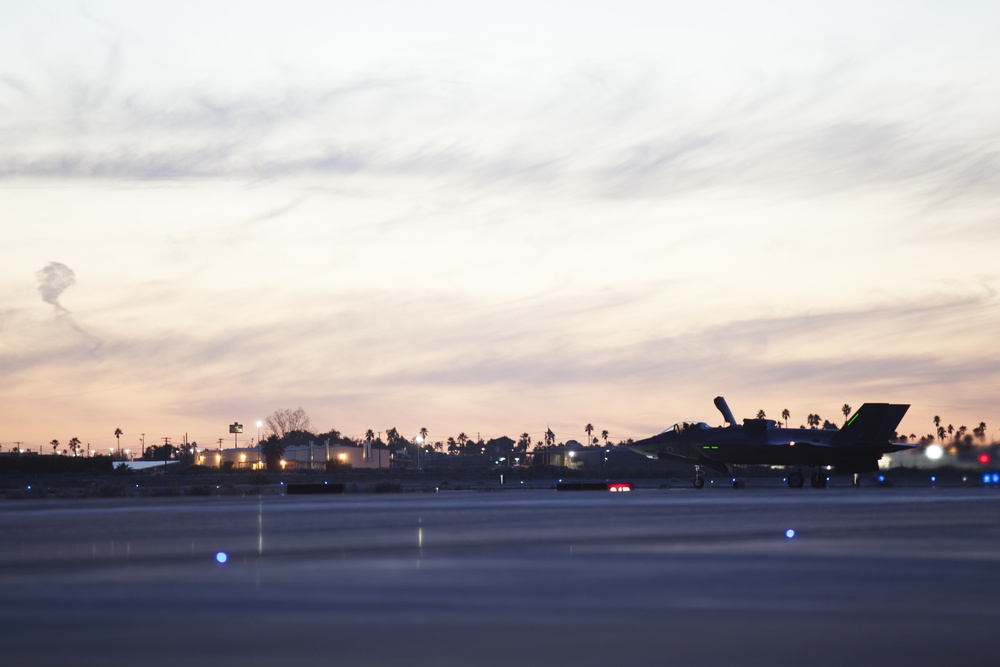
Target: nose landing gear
[(699, 479)]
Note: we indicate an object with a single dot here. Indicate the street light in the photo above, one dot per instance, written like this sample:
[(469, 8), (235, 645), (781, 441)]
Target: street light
[(419, 439), (259, 424)]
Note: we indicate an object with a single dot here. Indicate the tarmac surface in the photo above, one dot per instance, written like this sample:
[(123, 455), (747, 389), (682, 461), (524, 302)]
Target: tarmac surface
[(652, 577)]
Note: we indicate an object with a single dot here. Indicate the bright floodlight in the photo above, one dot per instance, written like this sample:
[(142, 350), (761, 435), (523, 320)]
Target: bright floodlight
[(934, 452)]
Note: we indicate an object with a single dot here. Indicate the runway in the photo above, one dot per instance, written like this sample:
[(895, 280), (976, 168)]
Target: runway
[(653, 577)]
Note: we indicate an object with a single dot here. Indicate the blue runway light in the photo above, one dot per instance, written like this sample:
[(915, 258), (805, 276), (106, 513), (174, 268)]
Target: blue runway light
[(986, 478), (996, 478), (221, 557), (933, 478), (789, 533), (881, 478)]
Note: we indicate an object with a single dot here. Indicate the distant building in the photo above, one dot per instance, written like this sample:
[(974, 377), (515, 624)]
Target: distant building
[(298, 457)]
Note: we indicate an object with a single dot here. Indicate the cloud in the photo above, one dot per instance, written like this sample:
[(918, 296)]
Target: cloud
[(53, 280), (804, 132)]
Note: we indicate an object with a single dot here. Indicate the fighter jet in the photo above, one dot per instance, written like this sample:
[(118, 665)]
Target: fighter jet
[(854, 449)]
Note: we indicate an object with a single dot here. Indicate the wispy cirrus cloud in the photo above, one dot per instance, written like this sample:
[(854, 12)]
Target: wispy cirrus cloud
[(772, 138)]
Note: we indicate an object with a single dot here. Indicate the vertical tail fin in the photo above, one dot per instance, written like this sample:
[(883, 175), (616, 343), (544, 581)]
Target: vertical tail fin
[(873, 423)]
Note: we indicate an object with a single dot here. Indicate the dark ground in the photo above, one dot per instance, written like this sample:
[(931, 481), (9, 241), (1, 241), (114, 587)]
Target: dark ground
[(656, 577)]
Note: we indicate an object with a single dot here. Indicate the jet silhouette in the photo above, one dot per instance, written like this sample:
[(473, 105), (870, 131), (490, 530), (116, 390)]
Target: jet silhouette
[(854, 449)]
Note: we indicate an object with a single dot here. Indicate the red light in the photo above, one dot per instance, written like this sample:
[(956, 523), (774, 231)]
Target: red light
[(984, 458), (620, 487)]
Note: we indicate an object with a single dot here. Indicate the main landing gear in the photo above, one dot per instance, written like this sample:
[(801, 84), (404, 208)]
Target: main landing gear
[(796, 480), (699, 479)]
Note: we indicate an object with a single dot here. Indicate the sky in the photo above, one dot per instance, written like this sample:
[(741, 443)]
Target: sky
[(494, 218)]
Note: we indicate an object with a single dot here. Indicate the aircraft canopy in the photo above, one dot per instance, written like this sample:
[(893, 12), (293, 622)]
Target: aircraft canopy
[(682, 427)]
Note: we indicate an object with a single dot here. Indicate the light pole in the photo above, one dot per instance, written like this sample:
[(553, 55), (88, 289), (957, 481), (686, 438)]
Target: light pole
[(419, 439), (259, 424)]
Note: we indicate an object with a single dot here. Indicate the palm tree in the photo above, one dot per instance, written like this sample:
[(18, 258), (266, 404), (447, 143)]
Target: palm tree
[(761, 414), (980, 431), (846, 410), (272, 448), (118, 437), (589, 428), (423, 433), (785, 414), (604, 435), (462, 439), (55, 446), (523, 442), (937, 421), (74, 445)]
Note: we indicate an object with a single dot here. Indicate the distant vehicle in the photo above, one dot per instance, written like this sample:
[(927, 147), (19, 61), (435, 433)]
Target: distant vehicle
[(854, 449)]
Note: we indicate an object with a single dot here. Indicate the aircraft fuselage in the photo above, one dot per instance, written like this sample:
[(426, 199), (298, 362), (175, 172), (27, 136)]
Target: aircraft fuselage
[(854, 449)]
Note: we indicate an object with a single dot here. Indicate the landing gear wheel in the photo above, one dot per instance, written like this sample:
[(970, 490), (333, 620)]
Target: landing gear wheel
[(699, 482), (818, 480), (795, 480)]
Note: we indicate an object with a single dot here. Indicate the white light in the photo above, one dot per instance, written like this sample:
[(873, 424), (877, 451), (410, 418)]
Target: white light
[(934, 452), (789, 533), (221, 557)]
